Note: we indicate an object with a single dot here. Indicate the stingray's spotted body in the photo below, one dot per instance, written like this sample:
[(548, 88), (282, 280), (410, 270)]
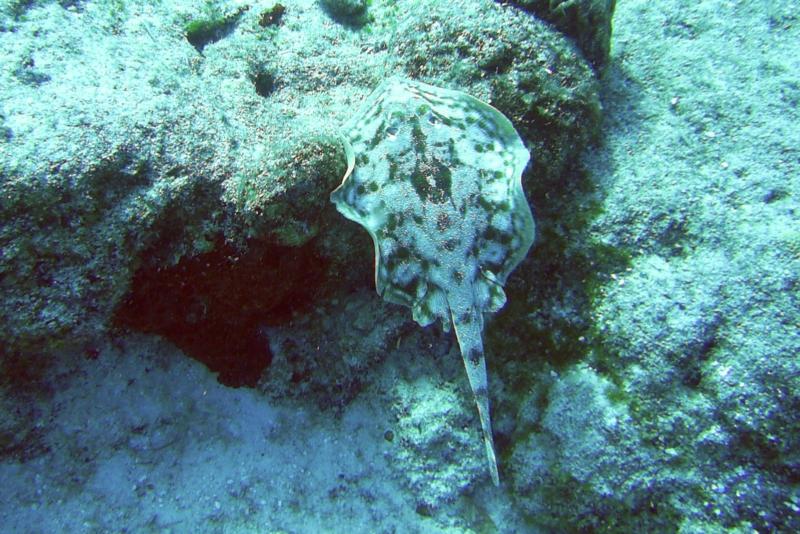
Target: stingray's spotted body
[(434, 175)]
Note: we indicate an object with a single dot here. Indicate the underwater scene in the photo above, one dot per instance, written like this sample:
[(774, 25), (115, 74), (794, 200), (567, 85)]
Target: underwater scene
[(400, 266)]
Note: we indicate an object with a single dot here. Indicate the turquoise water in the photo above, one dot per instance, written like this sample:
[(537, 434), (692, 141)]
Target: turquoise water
[(190, 334)]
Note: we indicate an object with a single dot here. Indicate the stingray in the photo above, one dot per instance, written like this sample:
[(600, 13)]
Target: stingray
[(435, 176)]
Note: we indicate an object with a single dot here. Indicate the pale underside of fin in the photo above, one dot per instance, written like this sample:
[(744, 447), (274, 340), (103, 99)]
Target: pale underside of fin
[(468, 327)]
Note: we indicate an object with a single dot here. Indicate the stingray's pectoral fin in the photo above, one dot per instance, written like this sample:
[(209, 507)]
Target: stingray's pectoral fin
[(469, 328)]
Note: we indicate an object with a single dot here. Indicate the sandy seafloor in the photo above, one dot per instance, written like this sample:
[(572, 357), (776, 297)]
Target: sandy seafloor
[(144, 439)]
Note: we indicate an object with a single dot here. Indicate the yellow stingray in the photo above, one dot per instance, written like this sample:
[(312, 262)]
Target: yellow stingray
[(435, 176)]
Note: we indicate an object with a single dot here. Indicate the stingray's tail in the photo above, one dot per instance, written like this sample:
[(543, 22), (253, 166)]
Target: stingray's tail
[(469, 328)]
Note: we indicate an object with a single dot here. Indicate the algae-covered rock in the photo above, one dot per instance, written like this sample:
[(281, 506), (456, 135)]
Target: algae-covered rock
[(516, 63), (436, 447), (586, 21), (699, 328), (165, 161), (584, 445), (282, 202), (173, 154), (329, 352), (345, 10)]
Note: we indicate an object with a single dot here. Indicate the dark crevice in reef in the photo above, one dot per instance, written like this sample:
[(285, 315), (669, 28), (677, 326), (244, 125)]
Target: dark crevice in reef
[(212, 305), (264, 82)]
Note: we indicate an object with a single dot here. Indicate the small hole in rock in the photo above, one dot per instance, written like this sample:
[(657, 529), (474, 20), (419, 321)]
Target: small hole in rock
[(264, 83)]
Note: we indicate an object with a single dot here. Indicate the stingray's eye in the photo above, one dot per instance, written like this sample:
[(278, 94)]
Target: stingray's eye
[(391, 132)]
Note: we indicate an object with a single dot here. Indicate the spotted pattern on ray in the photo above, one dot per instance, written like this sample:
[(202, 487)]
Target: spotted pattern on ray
[(434, 175)]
